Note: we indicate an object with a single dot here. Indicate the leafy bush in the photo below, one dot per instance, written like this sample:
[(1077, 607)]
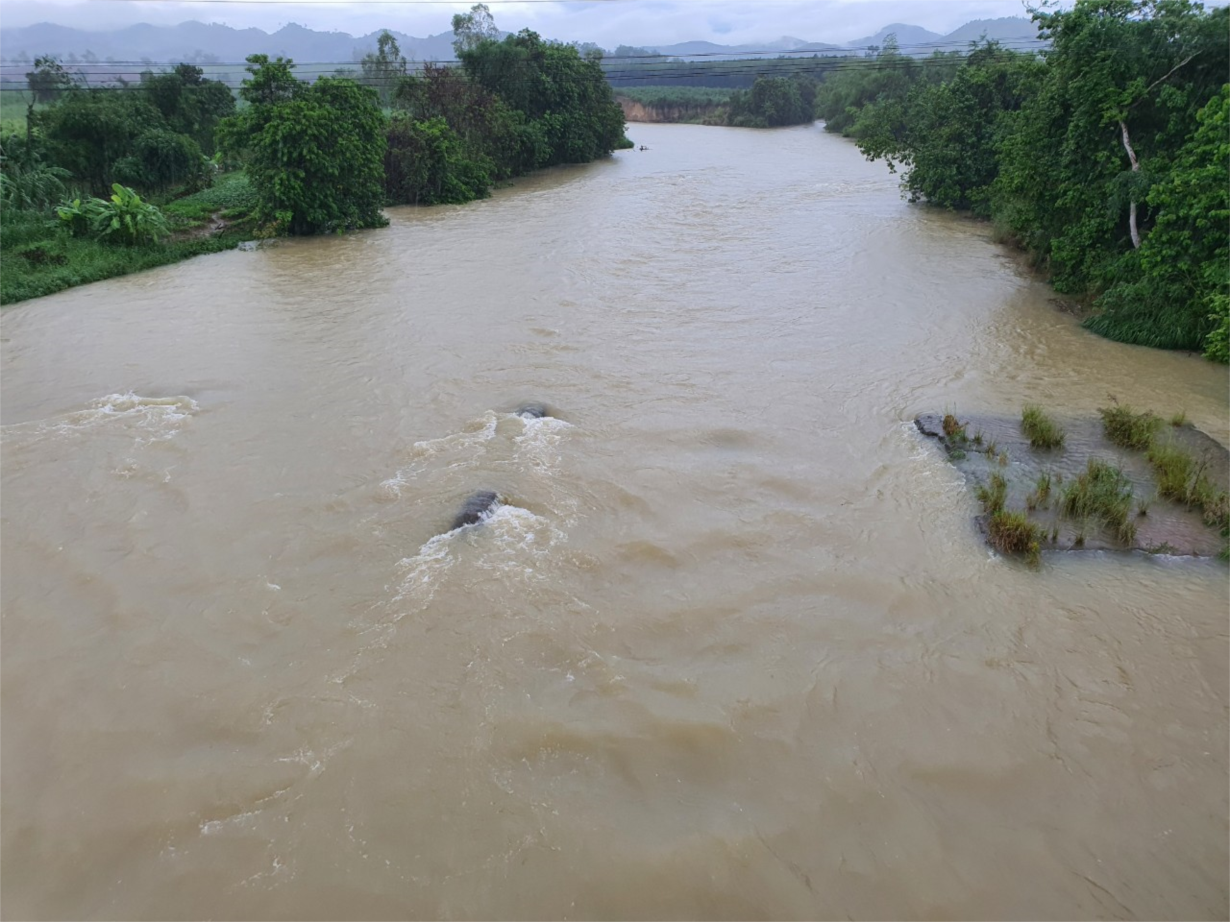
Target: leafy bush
[(1217, 343), (77, 216), (32, 188), (127, 220), (161, 159), (122, 219), (425, 163)]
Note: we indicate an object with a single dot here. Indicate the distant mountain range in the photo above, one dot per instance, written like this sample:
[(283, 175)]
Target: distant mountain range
[(212, 43)]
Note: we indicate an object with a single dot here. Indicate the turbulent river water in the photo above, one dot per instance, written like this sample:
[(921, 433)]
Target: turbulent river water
[(729, 647)]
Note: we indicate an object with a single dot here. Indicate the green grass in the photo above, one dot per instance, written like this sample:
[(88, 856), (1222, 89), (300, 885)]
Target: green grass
[(1042, 431), (1181, 478), (39, 258), (1102, 493), (1041, 494), (13, 108), (1175, 470), (1129, 429), (993, 494), (65, 262), (1013, 533)]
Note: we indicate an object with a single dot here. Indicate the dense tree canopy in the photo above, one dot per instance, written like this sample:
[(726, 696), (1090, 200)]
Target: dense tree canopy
[(1106, 158), (773, 102), (314, 152), (152, 137), (564, 95)]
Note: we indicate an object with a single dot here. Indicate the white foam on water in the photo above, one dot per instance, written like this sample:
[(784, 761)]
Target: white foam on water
[(506, 539), (463, 444), (540, 438), (156, 419), (514, 541), (421, 573)]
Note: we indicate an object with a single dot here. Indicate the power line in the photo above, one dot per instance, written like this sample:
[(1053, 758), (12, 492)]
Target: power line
[(903, 51), (660, 74), (89, 68)]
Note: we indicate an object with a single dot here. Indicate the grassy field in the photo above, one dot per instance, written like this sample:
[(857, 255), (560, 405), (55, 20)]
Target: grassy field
[(13, 105), (40, 258), (676, 96)]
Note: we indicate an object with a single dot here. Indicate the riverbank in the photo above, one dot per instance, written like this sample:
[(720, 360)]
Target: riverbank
[(695, 113), (40, 258)]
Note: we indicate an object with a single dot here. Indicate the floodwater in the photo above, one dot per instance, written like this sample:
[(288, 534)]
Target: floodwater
[(729, 647)]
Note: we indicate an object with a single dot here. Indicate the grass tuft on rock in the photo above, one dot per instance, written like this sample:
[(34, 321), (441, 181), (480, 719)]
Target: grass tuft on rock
[(1041, 495), (1175, 470), (993, 494), (1042, 431), (954, 429), (1102, 493), (1013, 533), (1129, 429)]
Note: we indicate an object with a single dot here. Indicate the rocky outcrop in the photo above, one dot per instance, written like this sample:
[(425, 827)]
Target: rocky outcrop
[(983, 446)]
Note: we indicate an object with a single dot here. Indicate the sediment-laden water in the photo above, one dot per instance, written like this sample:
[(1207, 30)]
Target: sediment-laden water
[(730, 645)]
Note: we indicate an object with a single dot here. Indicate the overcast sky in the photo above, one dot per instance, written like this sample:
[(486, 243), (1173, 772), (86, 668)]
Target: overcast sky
[(606, 22)]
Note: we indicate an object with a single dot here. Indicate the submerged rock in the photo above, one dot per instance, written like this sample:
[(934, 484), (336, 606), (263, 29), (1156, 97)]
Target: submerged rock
[(1036, 480), (533, 411), (473, 509)]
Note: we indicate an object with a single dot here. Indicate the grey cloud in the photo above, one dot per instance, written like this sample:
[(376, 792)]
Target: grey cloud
[(647, 22)]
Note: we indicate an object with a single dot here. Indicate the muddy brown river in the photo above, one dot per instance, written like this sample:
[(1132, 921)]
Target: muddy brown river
[(729, 647)]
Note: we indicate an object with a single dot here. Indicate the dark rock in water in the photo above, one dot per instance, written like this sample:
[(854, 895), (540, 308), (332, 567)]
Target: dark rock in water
[(533, 410), (474, 508)]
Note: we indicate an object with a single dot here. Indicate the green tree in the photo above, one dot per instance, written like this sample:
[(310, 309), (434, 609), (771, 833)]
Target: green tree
[(947, 135), (88, 131), (771, 103), (473, 28), (384, 70), (1067, 185), (564, 97), (488, 127), (49, 80), (427, 163), (1176, 287), (190, 104), (161, 159), (314, 153)]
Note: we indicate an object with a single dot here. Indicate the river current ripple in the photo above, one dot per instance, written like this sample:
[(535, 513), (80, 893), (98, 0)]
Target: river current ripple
[(729, 647)]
